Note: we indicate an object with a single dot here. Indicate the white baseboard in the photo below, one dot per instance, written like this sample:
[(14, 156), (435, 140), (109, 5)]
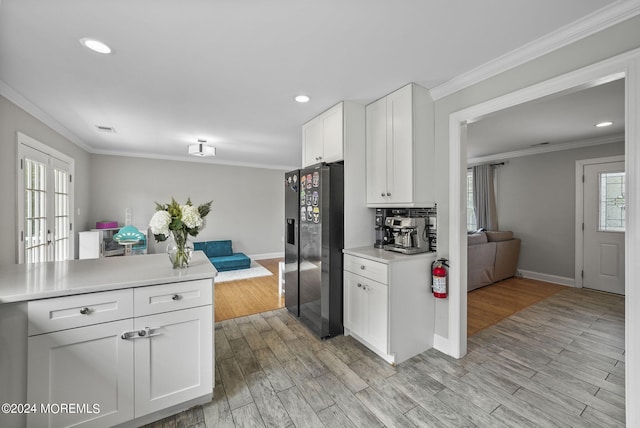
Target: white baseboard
[(441, 344), (263, 256), (562, 280)]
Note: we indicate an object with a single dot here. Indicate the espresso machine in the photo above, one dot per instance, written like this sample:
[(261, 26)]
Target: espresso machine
[(409, 234), (383, 233)]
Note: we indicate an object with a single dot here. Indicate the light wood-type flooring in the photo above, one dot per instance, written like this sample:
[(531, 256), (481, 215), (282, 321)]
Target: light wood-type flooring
[(234, 299), (557, 363), (488, 305)]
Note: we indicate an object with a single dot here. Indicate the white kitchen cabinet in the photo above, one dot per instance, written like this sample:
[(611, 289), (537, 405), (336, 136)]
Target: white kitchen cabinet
[(84, 366), (323, 137), (400, 149), (366, 314), (174, 364), (388, 305), (132, 352)]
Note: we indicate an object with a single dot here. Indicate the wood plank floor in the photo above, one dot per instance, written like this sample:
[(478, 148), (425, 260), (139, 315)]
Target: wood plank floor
[(488, 305), (243, 297), (557, 363)]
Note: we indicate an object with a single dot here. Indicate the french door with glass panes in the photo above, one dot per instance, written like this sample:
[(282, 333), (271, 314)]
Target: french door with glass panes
[(45, 206)]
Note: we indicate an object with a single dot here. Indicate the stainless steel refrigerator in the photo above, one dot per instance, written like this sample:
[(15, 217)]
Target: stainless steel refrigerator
[(314, 213)]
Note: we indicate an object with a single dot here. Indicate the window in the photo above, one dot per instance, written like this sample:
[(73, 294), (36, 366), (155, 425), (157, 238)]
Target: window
[(611, 202), (45, 203), (471, 214)]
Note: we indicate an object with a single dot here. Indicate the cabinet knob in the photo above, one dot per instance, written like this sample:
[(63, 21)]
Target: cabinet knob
[(362, 267), (85, 311), (359, 285), (388, 193), (142, 333), (176, 297), (382, 194)]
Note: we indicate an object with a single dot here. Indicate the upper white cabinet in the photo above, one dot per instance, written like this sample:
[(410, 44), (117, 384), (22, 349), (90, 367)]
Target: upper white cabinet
[(400, 149), (323, 137)]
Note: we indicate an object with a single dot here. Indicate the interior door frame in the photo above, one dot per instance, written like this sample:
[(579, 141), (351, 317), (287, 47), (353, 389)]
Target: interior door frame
[(580, 164), (627, 66)]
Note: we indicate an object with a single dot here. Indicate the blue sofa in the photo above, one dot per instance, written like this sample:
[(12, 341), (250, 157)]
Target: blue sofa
[(221, 255)]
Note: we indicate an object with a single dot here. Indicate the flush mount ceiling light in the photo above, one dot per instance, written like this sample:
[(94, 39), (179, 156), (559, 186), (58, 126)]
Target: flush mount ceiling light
[(302, 98), (604, 124), (96, 46), (201, 149)]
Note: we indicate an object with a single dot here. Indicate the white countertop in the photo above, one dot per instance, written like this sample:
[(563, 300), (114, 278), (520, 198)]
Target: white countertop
[(384, 256), (43, 280)]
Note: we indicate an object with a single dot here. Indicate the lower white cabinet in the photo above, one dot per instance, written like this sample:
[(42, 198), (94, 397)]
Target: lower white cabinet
[(158, 356), (367, 310), (388, 305), (174, 364), (83, 366)]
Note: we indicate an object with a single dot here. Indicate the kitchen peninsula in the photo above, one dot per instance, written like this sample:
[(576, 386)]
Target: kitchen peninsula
[(118, 341)]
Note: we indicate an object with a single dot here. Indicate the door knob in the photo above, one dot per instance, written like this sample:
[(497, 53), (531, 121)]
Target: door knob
[(85, 311)]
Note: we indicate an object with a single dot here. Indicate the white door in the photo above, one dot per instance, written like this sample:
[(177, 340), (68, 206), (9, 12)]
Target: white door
[(604, 227), (172, 362), (376, 152), (377, 314), (91, 367), (45, 203), (353, 303), (400, 151), (332, 150)]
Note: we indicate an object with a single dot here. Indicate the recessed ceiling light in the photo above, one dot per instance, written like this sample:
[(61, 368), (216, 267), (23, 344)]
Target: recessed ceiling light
[(302, 98), (604, 124), (96, 46)]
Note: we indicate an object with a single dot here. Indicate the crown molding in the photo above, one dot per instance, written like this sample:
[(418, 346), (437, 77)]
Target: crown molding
[(195, 159), (25, 104), (617, 138), (599, 20)]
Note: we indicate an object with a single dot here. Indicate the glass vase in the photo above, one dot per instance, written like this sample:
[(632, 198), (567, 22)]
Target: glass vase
[(180, 250)]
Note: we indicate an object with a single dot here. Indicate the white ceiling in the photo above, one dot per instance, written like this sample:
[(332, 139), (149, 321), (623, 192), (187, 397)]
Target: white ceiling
[(563, 120), (227, 70)]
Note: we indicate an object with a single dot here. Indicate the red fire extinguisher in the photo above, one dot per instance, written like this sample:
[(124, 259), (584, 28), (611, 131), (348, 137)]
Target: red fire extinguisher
[(439, 275)]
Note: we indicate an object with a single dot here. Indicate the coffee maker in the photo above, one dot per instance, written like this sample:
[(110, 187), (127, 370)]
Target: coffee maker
[(409, 234), (383, 233)]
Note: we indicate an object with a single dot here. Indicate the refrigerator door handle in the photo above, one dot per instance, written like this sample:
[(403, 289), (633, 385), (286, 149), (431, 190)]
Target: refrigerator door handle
[(291, 231)]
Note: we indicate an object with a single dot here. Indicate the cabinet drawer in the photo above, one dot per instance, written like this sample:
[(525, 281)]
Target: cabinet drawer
[(368, 268), (172, 297), (62, 313)]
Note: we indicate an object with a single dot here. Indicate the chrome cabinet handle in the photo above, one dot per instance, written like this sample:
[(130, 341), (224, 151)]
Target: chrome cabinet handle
[(362, 267), (359, 285), (85, 311), (176, 297), (138, 334)]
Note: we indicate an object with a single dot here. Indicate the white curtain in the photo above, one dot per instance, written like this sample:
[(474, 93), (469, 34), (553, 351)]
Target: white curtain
[(484, 198)]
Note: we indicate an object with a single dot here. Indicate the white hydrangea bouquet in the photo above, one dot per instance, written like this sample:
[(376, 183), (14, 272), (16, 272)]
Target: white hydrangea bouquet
[(179, 221)]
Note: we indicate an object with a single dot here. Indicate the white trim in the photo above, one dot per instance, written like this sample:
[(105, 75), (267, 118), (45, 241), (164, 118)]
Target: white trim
[(197, 159), (594, 22), (264, 256), (554, 279), (441, 344), (23, 140), (618, 138), (25, 104), (626, 65), (579, 252)]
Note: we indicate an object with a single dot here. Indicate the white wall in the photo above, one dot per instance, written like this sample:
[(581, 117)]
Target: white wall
[(12, 120), (536, 200), (248, 203), (618, 39)]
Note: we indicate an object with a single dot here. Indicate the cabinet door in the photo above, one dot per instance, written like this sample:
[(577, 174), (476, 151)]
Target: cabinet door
[(354, 303), (312, 142), (376, 314), (173, 362), (376, 152), (400, 139), (87, 365), (332, 135)]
